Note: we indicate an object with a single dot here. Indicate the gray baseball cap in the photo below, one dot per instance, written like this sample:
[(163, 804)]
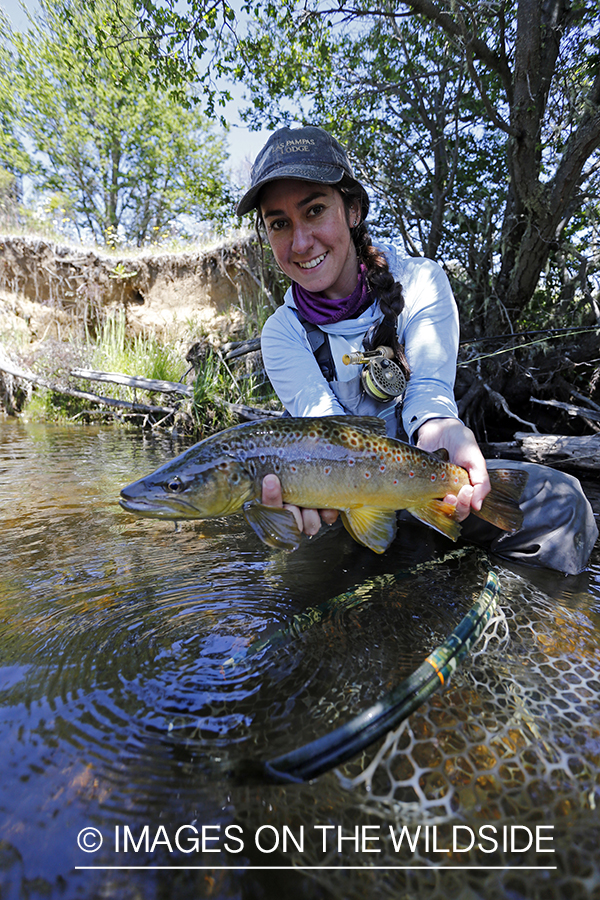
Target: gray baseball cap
[(308, 154)]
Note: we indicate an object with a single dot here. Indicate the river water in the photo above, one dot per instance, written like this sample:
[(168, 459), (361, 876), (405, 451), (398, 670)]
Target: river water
[(132, 708)]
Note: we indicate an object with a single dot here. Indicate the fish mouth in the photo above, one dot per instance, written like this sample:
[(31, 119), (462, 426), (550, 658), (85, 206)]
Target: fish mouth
[(312, 263), (160, 509)]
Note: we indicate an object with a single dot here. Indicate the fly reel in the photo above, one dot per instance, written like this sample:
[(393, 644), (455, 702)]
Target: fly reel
[(381, 377)]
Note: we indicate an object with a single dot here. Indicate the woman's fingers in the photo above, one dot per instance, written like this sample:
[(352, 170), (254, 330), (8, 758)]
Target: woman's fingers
[(329, 516), (308, 520), (463, 450), (311, 521), (462, 501), (271, 491)]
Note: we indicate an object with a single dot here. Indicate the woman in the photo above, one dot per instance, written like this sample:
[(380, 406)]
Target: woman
[(347, 296)]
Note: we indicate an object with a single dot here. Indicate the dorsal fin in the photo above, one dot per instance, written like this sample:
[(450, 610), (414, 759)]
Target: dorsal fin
[(364, 424)]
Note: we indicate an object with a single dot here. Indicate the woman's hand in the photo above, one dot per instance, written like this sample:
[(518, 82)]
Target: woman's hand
[(308, 520), (462, 449)]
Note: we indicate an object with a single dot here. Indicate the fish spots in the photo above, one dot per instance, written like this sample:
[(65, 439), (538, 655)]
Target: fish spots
[(395, 481), (263, 458), (443, 476), (433, 476), (327, 470), (351, 461), (293, 468), (382, 467), (411, 474), (367, 474)]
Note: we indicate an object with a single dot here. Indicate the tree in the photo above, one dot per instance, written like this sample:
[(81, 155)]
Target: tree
[(127, 159), (479, 122), (400, 101), (14, 160)]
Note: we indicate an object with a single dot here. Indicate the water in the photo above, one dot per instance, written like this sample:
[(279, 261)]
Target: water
[(121, 711)]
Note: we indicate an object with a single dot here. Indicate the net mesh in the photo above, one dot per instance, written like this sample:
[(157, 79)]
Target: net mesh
[(513, 740)]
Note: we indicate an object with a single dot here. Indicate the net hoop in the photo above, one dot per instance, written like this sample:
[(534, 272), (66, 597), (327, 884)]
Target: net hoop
[(335, 748)]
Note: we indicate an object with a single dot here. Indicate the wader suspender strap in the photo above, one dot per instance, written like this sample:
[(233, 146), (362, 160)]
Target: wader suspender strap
[(320, 346)]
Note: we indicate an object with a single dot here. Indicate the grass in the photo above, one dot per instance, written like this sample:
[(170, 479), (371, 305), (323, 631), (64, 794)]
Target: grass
[(112, 349), (216, 381)]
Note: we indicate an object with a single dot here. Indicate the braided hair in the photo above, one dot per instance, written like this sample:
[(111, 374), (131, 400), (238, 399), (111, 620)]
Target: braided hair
[(381, 281)]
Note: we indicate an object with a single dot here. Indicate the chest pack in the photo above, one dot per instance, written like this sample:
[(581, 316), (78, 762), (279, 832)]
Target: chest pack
[(320, 346), (381, 377)]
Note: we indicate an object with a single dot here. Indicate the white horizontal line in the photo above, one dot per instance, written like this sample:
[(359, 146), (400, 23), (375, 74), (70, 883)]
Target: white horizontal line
[(321, 868)]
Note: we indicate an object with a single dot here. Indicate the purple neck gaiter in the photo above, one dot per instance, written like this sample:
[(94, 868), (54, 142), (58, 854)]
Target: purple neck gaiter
[(319, 310)]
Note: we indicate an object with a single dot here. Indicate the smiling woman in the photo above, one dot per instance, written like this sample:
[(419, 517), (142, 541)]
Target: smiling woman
[(349, 297), (309, 233)]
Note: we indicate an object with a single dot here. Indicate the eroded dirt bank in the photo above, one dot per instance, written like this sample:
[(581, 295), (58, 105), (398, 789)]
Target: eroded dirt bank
[(47, 289)]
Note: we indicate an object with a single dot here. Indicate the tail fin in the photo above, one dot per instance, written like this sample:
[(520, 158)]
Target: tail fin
[(501, 506)]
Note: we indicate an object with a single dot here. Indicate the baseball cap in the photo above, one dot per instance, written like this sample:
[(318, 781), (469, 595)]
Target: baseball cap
[(308, 154)]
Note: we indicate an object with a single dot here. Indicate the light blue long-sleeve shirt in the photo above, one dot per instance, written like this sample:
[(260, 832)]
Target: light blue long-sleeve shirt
[(428, 328)]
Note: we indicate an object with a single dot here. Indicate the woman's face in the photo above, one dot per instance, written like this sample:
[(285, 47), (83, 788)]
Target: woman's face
[(308, 231)]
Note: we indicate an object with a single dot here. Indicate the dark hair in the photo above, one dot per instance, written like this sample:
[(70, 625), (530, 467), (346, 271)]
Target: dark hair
[(381, 281)]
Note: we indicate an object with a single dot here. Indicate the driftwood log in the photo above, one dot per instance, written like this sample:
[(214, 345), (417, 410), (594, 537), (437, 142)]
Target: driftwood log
[(132, 381), (137, 408), (168, 387), (559, 451), (135, 381)]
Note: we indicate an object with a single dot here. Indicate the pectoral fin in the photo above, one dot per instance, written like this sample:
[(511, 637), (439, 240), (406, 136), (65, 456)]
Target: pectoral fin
[(275, 526), (374, 528), (438, 515)]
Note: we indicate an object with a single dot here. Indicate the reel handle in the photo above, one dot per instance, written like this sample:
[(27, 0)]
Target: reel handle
[(367, 356)]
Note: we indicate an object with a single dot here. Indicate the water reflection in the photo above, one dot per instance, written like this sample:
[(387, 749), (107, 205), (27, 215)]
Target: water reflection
[(119, 705)]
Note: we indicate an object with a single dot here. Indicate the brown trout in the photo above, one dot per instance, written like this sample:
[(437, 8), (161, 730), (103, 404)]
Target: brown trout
[(335, 462)]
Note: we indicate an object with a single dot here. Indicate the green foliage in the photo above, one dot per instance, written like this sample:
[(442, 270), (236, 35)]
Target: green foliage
[(13, 156), (112, 350), (128, 160), (471, 154), (9, 199), (217, 381)]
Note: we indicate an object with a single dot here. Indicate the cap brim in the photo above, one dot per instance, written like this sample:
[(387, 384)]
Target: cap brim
[(318, 174)]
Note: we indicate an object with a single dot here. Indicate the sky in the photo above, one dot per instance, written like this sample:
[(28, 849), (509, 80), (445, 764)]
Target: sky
[(243, 144)]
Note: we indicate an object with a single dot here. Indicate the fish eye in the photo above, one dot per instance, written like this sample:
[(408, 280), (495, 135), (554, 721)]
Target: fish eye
[(174, 485)]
